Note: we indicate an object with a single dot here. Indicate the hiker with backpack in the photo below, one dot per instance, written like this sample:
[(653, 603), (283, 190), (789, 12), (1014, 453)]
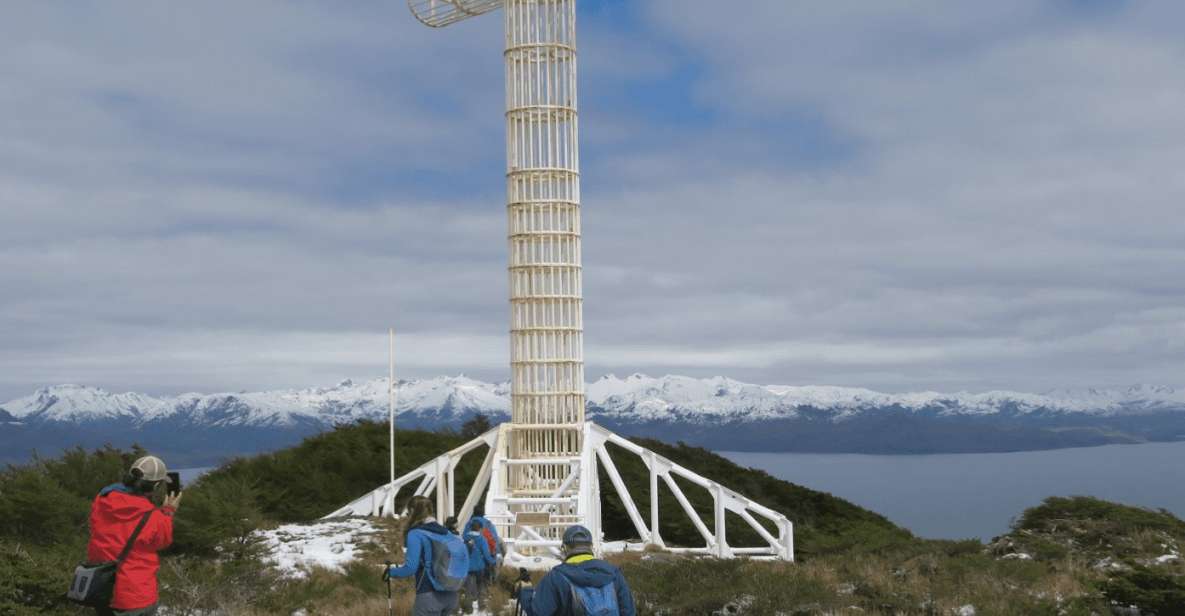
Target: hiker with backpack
[(126, 531), (436, 558), (481, 561), (582, 585), (497, 548)]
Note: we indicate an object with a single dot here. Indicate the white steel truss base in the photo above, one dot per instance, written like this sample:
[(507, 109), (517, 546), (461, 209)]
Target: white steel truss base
[(531, 523)]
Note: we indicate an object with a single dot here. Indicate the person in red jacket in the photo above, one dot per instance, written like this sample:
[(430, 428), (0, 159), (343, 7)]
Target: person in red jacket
[(114, 515)]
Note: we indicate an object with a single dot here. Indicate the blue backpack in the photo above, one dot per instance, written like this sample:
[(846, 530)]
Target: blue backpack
[(450, 562), (594, 600)]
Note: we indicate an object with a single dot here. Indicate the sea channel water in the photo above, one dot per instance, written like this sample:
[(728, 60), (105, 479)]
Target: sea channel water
[(952, 496), (190, 475)]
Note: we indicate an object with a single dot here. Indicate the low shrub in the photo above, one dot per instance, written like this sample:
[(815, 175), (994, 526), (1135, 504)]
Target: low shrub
[(1157, 591)]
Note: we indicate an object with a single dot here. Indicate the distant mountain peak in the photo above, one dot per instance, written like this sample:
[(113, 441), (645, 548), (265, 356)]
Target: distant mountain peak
[(717, 411), (637, 397), (1144, 389)]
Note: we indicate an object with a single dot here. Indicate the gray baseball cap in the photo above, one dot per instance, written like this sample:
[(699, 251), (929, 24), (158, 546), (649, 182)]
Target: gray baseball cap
[(151, 468)]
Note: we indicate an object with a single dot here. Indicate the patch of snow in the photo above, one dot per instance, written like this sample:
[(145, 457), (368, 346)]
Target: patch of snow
[(1109, 564), (1017, 556), (1166, 559), (295, 548), (740, 605), (530, 563), (545, 563), (965, 610)]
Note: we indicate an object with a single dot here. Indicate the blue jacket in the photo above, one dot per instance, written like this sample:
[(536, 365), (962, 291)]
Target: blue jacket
[(498, 549), (418, 558), (553, 596), (480, 556)]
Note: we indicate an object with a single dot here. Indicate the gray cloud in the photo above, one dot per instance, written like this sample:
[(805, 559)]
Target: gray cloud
[(1011, 217), (932, 195)]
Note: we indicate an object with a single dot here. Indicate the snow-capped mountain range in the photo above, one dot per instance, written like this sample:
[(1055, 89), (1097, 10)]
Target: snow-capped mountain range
[(345, 402), (717, 412), (637, 396)]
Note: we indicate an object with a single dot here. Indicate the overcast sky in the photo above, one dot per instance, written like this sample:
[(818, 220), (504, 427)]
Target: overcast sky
[(201, 196)]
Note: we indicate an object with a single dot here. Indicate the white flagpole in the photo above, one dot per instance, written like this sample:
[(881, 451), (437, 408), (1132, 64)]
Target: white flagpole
[(391, 396)]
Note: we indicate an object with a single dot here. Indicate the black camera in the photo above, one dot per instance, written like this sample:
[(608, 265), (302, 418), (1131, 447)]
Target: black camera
[(174, 483)]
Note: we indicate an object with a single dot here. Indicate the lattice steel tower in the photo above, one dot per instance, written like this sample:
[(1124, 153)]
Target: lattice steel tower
[(541, 467), (543, 203)]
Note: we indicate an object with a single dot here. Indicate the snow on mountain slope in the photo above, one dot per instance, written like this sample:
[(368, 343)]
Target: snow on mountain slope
[(1149, 397), (671, 397), (845, 400), (636, 398), (345, 402), (648, 398), (349, 401), (75, 403)]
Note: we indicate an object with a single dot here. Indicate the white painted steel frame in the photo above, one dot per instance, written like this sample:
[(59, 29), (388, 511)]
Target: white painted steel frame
[(543, 209), (544, 461), (440, 13), (577, 498)]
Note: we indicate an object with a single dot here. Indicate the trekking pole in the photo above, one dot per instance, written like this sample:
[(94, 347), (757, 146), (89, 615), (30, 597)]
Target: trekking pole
[(387, 577)]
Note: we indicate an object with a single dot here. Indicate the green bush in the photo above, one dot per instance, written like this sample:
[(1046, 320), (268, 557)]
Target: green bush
[(48, 501), (34, 578), (327, 471), (219, 516), (1092, 529), (84, 473), (1159, 592), (36, 510), (1104, 516)]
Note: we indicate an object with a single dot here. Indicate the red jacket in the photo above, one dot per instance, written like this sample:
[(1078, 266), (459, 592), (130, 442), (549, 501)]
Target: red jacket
[(114, 515)]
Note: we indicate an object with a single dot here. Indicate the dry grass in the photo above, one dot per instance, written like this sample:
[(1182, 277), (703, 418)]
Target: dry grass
[(933, 582), (930, 582), (919, 577)]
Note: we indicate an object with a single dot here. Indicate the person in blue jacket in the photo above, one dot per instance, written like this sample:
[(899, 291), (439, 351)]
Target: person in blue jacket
[(555, 595), (488, 529), (480, 560), (418, 560)]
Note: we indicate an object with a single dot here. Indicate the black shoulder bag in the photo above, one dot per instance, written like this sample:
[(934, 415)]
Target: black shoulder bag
[(94, 583)]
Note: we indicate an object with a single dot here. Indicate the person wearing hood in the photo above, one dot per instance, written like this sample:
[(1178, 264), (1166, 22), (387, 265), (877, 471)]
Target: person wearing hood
[(115, 513), (488, 530), (418, 561), (598, 587), (480, 561)]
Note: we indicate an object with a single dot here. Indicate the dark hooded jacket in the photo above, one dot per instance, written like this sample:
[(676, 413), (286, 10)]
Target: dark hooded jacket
[(553, 595), (114, 515)]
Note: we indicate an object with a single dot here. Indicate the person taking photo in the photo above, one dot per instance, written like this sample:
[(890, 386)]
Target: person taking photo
[(115, 514)]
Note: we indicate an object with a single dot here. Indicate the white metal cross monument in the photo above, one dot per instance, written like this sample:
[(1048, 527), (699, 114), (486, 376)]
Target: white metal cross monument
[(540, 472)]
